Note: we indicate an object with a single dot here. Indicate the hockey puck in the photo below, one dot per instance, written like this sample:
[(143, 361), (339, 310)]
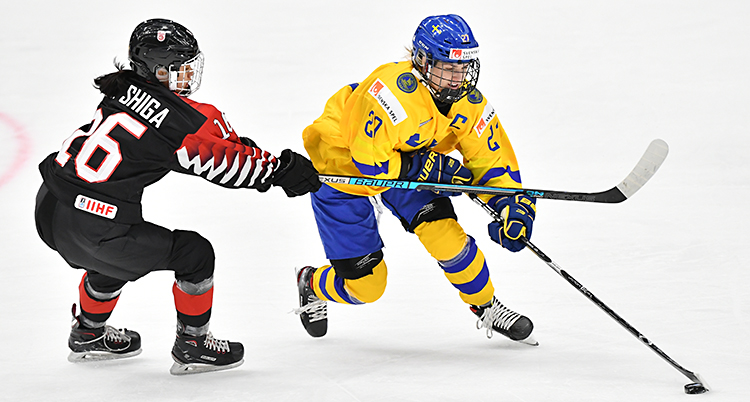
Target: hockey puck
[(695, 388)]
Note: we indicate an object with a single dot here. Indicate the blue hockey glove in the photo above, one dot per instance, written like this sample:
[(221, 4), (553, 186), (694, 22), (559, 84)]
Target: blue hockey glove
[(433, 167), (518, 214)]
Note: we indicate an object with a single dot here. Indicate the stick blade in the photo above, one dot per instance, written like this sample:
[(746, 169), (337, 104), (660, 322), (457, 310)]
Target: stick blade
[(700, 386), (646, 167)]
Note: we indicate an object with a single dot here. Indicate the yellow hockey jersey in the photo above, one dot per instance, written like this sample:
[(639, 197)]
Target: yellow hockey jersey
[(365, 127)]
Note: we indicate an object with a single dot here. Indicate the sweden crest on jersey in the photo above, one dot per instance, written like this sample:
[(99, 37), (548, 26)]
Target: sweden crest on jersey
[(475, 97), (407, 82)]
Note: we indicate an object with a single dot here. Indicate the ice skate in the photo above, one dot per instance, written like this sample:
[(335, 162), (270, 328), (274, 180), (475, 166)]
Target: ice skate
[(312, 311), (200, 354), (105, 343), (498, 318)]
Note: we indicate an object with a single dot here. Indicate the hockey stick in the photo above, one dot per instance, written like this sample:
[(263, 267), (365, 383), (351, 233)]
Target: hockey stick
[(697, 386), (645, 168)]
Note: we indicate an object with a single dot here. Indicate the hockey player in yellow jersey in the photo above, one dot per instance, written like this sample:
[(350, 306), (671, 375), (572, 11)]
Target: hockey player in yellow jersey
[(401, 122)]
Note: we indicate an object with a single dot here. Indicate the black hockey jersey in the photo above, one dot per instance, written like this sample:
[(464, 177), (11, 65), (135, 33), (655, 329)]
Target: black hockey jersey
[(136, 138)]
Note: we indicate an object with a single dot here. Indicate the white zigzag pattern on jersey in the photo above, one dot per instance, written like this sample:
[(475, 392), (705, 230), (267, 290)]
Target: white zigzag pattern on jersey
[(194, 164)]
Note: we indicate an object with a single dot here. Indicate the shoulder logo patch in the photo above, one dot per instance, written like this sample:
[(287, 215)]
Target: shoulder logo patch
[(388, 101), (475, 96), (407, 82)]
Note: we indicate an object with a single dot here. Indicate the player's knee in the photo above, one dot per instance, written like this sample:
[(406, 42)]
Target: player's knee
[(192, 257), (364, 277), (436, 210), (444, 239), (369, 288), (358, 267)]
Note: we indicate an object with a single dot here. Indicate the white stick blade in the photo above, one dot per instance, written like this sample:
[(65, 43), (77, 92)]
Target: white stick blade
[(648, 165)]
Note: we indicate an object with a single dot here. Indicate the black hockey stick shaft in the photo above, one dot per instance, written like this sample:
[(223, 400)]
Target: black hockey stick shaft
[(613, 195), (645, 168), (687, 373)]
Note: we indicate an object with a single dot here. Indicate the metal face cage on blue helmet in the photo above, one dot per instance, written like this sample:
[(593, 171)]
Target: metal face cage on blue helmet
[(445, 54), (168, 52)]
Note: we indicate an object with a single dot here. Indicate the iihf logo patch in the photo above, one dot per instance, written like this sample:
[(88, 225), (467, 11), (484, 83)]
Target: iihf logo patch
[(161, 35), (407, 82), (96, 207)]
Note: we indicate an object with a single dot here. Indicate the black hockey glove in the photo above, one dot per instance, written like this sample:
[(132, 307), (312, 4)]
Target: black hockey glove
[(518, 213), (296, 174), (433, 167)]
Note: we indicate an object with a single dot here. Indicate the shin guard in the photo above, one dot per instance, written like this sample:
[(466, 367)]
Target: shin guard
[(460, 258), (193, 302), (96, 307)]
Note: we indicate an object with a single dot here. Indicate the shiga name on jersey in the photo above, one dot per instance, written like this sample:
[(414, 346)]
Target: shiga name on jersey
[(145, 105)]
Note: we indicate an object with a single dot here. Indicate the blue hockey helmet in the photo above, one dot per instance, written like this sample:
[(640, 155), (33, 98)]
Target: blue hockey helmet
[(167, 51), (445, 39)]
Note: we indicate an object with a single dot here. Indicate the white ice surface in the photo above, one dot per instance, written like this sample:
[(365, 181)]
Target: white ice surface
[(581, 87)]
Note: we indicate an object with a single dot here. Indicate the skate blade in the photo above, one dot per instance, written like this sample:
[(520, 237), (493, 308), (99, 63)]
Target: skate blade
[(98, 356), (529, 340), (196, 368)]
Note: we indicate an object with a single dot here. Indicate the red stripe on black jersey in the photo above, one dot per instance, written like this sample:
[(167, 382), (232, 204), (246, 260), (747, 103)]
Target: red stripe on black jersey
[(173, 133), (216, 153)]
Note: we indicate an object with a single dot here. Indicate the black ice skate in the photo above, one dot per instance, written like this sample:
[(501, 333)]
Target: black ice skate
[(498, 318), (105, 343), (200, 354), (312, 311)]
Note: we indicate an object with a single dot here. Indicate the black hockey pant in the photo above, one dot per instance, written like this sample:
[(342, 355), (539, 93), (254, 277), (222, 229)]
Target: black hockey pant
[(114, 253)]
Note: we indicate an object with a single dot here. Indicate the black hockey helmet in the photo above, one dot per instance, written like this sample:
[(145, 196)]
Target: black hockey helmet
[(168, 52)]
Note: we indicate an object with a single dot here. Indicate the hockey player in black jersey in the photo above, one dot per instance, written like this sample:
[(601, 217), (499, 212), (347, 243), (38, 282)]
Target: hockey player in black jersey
[(88, 208)]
